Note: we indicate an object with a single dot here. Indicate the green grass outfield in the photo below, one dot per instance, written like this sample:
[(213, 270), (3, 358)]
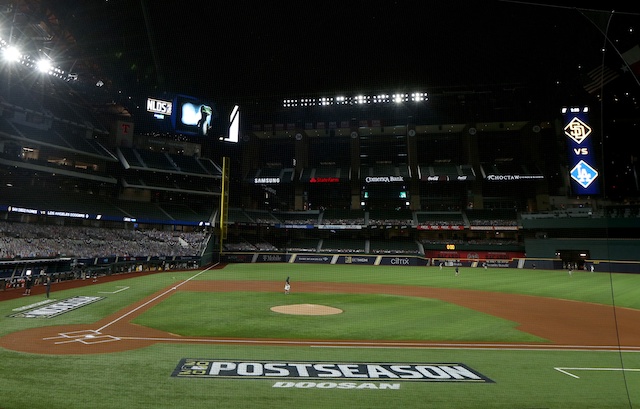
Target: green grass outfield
[(142, 378)]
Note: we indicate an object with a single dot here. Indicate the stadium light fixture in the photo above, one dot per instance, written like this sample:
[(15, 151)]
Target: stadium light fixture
[(12, 54), (43, 65), (359, 99), (400, 98), (419, 96)]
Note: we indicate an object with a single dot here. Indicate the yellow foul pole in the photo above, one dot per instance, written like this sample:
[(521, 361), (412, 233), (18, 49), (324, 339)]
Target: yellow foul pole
[(224, 202)]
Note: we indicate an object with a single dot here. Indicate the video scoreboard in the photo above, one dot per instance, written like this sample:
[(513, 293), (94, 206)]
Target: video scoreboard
[(583, 167)]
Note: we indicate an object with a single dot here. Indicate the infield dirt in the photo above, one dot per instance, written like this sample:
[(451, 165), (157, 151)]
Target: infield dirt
[(565, 324)]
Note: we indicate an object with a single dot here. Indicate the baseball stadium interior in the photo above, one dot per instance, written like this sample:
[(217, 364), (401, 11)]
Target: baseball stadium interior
[(484, 161), (98, 178)]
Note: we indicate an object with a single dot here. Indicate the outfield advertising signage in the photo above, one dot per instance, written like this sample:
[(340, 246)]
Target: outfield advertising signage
[(583, 169), (324, 180), (383, 179), (303, 258), (370, 260), (273, 258), (398, 261)]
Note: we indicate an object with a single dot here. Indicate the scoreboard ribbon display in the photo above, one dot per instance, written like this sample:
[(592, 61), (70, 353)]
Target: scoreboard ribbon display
[(582, 163)]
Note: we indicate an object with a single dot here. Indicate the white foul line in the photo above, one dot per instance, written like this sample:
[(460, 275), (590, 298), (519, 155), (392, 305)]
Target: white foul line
[(566, 370), (116, 291), (155, 298)]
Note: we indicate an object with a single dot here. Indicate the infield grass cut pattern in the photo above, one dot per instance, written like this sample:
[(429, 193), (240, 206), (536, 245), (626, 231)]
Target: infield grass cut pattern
[(364, 317)]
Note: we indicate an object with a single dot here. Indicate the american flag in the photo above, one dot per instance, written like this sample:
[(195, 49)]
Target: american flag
[(599, 77)]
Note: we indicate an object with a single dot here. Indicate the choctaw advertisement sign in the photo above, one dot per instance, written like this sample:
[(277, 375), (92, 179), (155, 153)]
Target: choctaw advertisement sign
[(582, 164)]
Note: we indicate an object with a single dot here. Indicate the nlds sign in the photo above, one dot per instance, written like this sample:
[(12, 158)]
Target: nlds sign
[(158, 106)]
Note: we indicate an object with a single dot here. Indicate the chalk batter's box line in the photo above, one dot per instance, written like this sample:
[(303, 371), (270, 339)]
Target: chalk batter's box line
[(96, 340), (75, 334), (87, 337)]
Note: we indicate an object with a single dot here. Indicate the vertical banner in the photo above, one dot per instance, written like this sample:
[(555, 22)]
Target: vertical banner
[(124, 133), (583, 170)]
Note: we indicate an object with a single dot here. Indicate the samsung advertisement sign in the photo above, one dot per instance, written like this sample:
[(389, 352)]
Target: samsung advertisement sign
[(583, 168)]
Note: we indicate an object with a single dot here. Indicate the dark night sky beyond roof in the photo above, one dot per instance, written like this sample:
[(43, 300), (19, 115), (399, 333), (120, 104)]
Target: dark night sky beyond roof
[(239, 49), (229, 52)]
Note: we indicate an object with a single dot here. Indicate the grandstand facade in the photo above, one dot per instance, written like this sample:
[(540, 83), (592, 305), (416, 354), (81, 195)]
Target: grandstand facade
[(457, 177)]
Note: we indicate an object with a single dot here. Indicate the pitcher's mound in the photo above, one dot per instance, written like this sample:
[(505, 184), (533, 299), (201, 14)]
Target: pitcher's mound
[(306, 309)]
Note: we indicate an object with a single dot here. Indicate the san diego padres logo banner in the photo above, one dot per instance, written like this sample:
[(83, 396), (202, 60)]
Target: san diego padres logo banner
[(276, 370)]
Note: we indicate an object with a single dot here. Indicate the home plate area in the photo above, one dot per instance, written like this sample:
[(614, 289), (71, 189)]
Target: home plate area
[(87, 337)]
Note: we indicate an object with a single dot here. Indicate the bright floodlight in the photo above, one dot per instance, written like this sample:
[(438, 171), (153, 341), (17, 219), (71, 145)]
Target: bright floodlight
[(12, 53), (43, 65), (399, 98)]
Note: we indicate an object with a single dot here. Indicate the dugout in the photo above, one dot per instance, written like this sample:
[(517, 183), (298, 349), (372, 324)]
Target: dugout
[(13, 270)]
